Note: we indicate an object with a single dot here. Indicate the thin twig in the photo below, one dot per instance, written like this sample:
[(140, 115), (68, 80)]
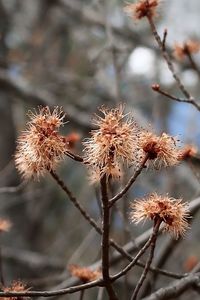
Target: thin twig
[(164, 39), (156, 88), (175, 289), (189, 98), (192, 62), (167, 58), (178, 287), (85, 214), (74, 201), (105, 239), (69, 290), (82, 295), (135, 259), (130, 182), (2, 280), (149, 261), (74, 156), (120, 249), (161, 258), (168, 247)]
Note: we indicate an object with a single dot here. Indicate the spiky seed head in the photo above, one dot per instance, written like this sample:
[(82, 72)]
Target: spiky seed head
[(40, 147), (162, 150), (172, 212), (113, 143)]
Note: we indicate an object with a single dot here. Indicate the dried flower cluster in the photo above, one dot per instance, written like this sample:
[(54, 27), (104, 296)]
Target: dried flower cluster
[(162, 150), (116, 142), (16, 286), (41, 146), (5, 225), (84, 274), (188, 47), (172, 212), (144, 8), (113, 143)]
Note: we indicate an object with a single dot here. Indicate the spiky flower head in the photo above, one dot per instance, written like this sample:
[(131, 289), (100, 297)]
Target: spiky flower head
[(172, 212), (114, 142), (141, 9), (188, 47), (161, 150), (16, 286), (40, 147), (83, 273)]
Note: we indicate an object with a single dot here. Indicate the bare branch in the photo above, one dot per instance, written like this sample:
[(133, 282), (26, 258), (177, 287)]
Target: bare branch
[(149, 261), (167, 58), (156, 88), (105, 239), (175, 289), (130, 182), (69, 290)]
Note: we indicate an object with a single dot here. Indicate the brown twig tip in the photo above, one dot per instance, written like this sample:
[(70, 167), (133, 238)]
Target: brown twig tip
[(155, 87), (41, 147), (172, 212), (165, 33), (187, 152), (164, 39), (141, 9), (83, 273), (162, 150), (114, 142), (188, 47), (16, 286)]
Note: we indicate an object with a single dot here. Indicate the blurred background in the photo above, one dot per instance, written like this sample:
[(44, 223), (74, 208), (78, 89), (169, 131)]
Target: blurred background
[(80, 54)]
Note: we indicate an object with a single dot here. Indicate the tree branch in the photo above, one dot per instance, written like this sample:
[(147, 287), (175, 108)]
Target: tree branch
[(156, 88), (149, 261), (130, 182), (175, 289), (167, 58), (105, 239)]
